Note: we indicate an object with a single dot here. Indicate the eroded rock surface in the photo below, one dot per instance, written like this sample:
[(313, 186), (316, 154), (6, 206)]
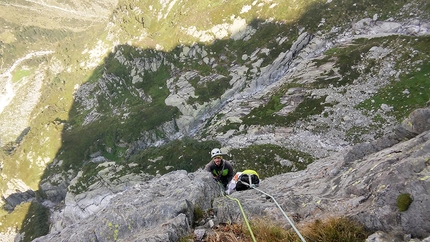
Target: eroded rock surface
[(161, 209), (367, 189)]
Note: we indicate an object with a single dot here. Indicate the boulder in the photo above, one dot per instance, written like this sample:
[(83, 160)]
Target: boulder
[(17, 198)]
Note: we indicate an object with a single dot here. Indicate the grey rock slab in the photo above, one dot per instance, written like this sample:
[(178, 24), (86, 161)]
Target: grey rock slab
[(158, 210), (365, 190)]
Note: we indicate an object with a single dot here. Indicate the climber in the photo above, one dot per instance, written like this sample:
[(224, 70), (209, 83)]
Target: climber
[(246, 179), (221, 169)]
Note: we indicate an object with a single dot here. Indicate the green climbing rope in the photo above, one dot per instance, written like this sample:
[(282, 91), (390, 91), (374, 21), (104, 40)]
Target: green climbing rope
[(253, 186), (241, 210)]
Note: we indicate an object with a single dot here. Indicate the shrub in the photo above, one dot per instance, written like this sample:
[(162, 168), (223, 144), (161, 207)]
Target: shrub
[(198, 214)]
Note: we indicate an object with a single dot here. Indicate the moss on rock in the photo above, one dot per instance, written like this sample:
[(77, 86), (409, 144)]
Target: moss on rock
[(403, 201)]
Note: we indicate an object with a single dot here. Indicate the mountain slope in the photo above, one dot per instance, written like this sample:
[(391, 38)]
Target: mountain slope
[(274, 83), (170, 207)]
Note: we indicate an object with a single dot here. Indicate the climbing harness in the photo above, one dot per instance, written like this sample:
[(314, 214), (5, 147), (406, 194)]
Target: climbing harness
[(253, 186), (219, 174), (241, 210)]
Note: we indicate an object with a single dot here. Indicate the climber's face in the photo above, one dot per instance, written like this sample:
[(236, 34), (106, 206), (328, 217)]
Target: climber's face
[(217, 160)]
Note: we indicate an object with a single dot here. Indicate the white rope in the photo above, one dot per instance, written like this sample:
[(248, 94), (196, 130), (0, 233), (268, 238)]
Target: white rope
[(253, 186)]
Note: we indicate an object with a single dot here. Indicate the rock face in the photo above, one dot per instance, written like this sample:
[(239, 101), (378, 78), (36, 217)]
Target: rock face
[(417, 123), (366, 189), (161, 209)]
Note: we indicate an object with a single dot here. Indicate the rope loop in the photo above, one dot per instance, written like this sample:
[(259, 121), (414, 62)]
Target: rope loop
[(279, 206), (253, 186), (241, 210)]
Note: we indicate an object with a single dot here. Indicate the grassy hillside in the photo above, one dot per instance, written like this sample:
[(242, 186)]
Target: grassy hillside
[(125, 117)]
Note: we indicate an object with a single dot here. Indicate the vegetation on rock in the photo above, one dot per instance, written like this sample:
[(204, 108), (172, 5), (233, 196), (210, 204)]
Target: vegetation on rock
[(330, 230), (403, 201)]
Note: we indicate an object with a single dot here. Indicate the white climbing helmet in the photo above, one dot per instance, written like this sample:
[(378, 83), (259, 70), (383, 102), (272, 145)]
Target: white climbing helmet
[(216, 152)]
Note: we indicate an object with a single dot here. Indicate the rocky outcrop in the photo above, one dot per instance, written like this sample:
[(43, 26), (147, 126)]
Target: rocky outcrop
[(342, 115), (367, 190), (161, 209), (418, 122), (17, 198), (281, 65)]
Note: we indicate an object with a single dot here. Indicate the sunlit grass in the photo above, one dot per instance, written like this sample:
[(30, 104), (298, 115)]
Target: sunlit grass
[(20, 74), (171, 32), (329, 230), (13, 219)]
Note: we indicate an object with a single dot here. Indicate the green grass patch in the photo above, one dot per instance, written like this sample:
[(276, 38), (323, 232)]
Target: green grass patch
[(36, 222), (265, 159), (103, 136), (89, 176), (265, 114), (403, 201), (209, 90), (228, 126), (346, 58), (407, 94), (267, 35), (186, 154), (19, 74), (96, 74)]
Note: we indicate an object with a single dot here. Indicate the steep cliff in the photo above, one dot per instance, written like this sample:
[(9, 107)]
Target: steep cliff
[(150, 87), (164, 208)]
